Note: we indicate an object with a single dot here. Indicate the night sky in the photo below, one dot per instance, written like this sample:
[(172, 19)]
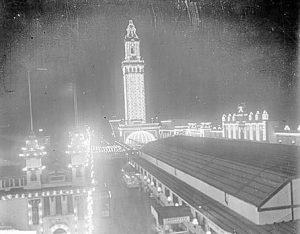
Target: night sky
[(241, 51)]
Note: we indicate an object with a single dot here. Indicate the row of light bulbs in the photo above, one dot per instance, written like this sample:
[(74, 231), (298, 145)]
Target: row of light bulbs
[(45, 194), (169, 199)]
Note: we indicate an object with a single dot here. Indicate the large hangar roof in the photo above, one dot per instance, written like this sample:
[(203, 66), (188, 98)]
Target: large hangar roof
[(250, 171), (221, 215)]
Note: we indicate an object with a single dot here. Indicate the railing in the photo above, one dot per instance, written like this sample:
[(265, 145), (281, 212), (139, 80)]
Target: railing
[(108, 149), (13, 182)]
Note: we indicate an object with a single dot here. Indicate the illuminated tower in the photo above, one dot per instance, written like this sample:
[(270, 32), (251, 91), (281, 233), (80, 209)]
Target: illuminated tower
[(78, 149), (133, 75), (33, 154)]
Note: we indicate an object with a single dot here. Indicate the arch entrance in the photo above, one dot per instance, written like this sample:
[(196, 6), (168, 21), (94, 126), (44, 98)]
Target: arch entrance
[(139, 138), (60, 229)]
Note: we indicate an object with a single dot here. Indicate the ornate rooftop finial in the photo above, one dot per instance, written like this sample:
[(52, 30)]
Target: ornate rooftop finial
[(233, 117), (228, 117), (241, 107), (224, 118), (131, 31), (257, 115), (287, 128), (250, 116), (265, 115)]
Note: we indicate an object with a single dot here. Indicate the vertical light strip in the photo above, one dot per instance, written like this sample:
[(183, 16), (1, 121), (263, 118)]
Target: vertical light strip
[(41, 217), (29, 206)]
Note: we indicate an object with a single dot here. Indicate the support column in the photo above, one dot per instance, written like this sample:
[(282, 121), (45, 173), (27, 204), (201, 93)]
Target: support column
[(234, 131), (257, 132), (251, 132), (264, 131), (246, 130), (52, 205), (229, 131)]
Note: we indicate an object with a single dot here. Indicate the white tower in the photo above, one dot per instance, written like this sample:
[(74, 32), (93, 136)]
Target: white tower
[(79, 149), (33, 154), (133, 74)]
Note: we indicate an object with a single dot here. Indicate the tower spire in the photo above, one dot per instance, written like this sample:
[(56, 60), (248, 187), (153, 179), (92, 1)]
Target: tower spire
[(131, 32)]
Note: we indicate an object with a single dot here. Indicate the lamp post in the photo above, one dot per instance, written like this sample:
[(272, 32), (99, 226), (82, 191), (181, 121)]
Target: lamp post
[(29, 91), (75, 105)]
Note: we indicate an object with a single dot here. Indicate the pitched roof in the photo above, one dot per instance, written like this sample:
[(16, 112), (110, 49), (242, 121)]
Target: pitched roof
[(283, 227), (219, 214), (222, 216), (248, 170)]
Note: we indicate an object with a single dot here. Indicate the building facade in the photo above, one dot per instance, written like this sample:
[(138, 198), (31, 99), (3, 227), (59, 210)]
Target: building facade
[(246, 126), (54, 199), (241, 125), (229, 194)]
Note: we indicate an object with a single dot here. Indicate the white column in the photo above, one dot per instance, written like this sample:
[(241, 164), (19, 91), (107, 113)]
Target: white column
[(223, 132), (257, 132), (234, 131), (52, 205), (229, 131), (246, 130), (251, 132), (64, 204), (264, 131)]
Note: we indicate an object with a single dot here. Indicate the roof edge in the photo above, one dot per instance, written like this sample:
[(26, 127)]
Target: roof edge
[(274, 193)]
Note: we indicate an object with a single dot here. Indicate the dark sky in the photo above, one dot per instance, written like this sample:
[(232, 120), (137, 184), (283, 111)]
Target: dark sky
[(241, 51)]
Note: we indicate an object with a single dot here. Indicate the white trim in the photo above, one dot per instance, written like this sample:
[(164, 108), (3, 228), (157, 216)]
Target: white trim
[(287, 133)]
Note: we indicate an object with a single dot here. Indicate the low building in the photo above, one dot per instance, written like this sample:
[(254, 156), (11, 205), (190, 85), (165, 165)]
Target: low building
[(241, 125), (230, 186), (287, 135)]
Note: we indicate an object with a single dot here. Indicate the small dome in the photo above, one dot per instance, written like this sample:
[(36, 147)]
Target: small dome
[(139, 137)]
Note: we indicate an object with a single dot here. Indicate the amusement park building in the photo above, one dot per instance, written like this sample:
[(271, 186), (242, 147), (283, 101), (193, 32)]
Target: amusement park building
[(237, 126), (44, 198), (231, 186)]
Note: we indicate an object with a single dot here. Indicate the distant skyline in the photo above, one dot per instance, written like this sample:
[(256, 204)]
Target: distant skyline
[(190, 73)]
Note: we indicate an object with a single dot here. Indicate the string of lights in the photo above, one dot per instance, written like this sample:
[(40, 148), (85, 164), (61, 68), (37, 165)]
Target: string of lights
[(45, 193), (33, 148)]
